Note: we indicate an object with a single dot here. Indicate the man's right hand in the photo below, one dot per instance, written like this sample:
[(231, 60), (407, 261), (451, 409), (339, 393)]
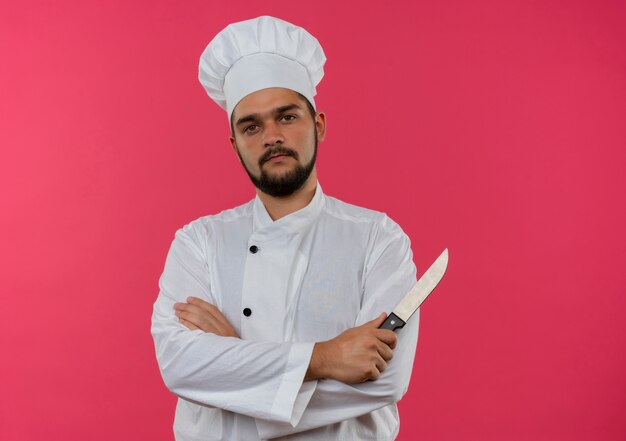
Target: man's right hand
[(358, 354)]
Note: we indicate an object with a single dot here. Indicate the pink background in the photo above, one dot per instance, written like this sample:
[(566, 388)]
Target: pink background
[(494, 128)]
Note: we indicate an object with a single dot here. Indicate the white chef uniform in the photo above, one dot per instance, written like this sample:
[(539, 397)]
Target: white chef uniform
[(283, 285)]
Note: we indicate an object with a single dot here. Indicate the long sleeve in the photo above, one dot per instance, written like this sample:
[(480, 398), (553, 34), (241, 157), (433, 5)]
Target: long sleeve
[(388, 275), (258, 379)]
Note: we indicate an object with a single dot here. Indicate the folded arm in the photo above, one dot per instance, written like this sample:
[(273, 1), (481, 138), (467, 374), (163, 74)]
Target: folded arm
[(258, 379), (352, 368), (334, 401), (389, 273)]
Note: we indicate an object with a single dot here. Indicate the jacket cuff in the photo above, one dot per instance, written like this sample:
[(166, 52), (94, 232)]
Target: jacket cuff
[(293, 394)]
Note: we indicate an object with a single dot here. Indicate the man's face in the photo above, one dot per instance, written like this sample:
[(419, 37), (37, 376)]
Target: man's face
[(276, 138)]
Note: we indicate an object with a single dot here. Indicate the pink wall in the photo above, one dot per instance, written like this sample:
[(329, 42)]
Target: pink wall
[(496, 129)]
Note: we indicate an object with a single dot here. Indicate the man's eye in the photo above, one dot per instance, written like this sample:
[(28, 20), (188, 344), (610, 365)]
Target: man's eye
[(251, 128), (288, 117)]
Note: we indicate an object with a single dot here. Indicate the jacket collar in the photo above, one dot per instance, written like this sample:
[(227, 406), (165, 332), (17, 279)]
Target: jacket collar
[(263, 227)]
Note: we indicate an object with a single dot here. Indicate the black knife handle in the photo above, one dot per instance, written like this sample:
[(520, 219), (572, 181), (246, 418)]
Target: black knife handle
[(392, 322)]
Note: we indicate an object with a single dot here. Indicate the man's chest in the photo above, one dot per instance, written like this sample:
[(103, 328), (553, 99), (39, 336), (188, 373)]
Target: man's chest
[(304, 287)]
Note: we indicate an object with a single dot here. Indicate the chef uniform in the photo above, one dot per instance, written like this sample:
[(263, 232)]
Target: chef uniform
[(283, 285)]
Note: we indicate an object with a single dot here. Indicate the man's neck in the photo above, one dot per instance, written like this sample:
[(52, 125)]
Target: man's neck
[(278, 207)]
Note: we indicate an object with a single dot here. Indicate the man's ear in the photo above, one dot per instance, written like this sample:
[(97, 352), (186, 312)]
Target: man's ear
[(320, 125), (233, 144)]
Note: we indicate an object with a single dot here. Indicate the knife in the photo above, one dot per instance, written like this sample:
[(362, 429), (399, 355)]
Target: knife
[(416, 296)]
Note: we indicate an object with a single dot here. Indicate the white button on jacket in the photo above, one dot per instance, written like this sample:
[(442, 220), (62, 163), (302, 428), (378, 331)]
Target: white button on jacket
[(315, 273)]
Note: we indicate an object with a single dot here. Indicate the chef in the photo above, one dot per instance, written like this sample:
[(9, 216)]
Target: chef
[(266, 323)]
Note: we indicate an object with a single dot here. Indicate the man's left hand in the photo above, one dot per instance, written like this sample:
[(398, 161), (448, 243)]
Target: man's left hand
[(198, 314)]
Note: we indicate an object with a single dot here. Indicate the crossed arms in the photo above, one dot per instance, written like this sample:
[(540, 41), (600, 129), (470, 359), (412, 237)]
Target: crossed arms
[(287, 387), (358, 354)]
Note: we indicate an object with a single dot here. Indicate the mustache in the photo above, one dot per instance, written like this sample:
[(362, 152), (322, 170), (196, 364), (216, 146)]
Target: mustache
[(277, 150)]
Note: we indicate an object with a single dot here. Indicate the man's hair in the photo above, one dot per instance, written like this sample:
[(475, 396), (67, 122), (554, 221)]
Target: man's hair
[(308, 105)]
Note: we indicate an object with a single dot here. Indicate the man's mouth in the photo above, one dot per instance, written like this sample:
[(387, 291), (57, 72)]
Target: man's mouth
[(277, 156)]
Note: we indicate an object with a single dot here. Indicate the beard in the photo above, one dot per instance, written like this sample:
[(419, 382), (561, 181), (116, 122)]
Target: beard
[(287, 183)]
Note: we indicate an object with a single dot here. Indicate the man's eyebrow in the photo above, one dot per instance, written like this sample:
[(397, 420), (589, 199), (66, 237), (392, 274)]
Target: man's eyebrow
[(286, 108), (277, 111), (247, 118)]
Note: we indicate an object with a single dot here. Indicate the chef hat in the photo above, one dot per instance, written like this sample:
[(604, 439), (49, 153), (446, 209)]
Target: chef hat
[(256, 54)]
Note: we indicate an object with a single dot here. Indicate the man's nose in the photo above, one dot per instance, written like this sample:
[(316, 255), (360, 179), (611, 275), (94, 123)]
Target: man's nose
[(273, 135)]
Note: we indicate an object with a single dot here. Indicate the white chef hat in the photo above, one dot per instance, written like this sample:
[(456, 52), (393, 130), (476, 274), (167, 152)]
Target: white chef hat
[(256, 54)]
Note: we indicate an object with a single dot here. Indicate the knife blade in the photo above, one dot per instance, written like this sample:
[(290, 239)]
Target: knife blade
[(416, 295)]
